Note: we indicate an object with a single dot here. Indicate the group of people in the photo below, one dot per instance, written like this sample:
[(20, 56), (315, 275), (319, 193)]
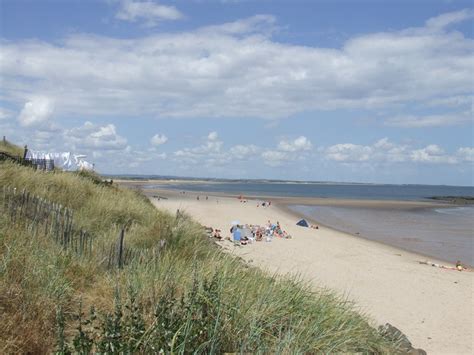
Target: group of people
[(242, 199), (245, 234)]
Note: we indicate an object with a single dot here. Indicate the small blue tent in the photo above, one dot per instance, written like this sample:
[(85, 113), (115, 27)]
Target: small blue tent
[(302, 223)]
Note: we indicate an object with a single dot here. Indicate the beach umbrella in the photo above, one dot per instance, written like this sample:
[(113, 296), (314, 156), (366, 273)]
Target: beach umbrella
[(235, 223)]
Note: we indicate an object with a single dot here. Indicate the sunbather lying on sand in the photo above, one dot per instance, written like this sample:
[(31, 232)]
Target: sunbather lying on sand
[(459, 266), (217, 234)]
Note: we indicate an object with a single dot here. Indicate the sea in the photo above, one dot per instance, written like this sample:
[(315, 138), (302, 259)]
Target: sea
[(445, 233)]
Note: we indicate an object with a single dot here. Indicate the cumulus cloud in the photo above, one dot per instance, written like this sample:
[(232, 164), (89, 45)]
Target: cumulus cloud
[(382, 151), (212, 152), (349, 152), (287, 150), (242, 152), (95, 137), (299, 144), (158, 139), (240, 67), (212, 136), (466, 154), (151, 12), (385, 152), (432, 154), (211, 149), (274, 158), (36, 112)]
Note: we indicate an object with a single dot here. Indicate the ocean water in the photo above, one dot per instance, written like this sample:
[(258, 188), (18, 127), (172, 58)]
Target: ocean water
[(443, 233), (325, 190)]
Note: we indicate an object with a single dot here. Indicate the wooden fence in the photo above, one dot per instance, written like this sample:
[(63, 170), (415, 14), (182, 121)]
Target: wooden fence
[(43, 218)]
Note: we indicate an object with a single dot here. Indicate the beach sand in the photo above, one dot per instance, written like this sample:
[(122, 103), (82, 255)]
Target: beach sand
[(432, 306)]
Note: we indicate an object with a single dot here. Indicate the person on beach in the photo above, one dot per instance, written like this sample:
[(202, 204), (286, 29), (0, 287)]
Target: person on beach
[(217, 234), (460, 266)]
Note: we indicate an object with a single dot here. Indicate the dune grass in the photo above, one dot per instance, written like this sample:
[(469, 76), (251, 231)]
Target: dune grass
[(10, 148), (190, 298)]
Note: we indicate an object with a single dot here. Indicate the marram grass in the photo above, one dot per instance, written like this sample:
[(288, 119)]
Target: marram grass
[(10, 148), (189, 298)]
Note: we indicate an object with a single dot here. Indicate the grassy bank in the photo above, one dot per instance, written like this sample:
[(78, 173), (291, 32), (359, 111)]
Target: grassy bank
[(10, 148), (187, 297)]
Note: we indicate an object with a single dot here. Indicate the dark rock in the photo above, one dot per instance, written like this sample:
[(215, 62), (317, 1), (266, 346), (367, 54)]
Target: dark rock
[(394, 334)]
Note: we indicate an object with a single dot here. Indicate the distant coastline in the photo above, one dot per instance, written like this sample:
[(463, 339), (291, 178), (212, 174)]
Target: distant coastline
[(184, 179)]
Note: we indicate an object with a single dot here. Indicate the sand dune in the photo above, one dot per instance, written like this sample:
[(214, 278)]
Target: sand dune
[(432, 306)]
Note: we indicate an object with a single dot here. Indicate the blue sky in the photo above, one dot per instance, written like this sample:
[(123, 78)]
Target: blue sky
[(365, 91)]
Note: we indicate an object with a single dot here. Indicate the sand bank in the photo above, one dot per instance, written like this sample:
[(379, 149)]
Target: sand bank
[(432, 306)]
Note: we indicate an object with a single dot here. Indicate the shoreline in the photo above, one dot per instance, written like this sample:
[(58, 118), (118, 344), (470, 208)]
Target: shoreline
[(284, 203), (288, 210), (386, 283)]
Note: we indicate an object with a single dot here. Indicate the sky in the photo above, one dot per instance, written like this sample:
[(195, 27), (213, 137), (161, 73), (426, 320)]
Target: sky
[(350, 91)]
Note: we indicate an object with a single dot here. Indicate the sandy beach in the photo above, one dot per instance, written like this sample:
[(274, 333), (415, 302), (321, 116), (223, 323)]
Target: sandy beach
[(432, 306)]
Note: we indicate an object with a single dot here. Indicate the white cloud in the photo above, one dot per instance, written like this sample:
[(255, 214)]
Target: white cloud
[(444, 20), (212, 136), (411, 121), (258, 24), (349, 152), (299, 144), (95, 137), (274, 158), (466, 154), (432, 154), (36, 112), (382, 151), (242, 152), (158, 139), (151, 12), (211, 149), (238, 66)]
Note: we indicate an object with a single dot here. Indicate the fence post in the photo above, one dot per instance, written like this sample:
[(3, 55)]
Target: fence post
[(26, 151), (120, 248)]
